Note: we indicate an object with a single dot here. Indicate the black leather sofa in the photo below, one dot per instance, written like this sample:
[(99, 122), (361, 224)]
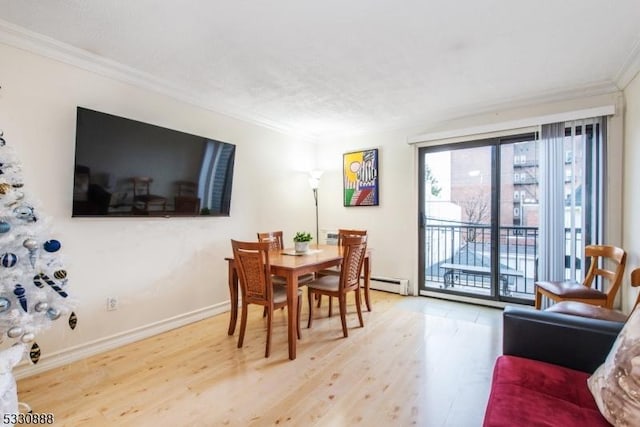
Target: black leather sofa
[(571, 341)]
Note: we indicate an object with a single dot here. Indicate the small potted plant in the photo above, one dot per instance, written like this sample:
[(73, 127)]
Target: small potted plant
[(301, 241)]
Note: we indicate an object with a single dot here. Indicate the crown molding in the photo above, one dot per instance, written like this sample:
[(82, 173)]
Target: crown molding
[(30, 41), (630, 68)]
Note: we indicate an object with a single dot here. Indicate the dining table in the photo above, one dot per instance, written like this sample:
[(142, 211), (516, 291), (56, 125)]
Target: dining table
[(291, 264)]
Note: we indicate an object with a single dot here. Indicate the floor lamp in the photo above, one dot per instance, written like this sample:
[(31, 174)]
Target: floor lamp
[(314, 183)]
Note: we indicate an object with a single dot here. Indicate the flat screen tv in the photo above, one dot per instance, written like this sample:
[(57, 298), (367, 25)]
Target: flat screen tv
[(124, 167)]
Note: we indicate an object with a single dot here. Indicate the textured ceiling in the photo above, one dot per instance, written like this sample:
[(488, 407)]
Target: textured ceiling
[(336, 67)]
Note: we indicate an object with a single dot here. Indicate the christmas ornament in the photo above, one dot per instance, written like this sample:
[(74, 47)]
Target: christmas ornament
[(60, 274), (53, 313), (4, 304), (19, 293), (32, 246), (37, 280), (53, 285), (73, 320), (8, 259), (41, 306), (15, 332), (51, 245), (25, 213), (4, 226), (28, 337), (34, 353)]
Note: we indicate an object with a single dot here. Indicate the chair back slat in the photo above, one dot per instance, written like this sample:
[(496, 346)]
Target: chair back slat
[(607, 262), (635, 282), (344, 232), (253, 267), (274, 238), (354, 248)]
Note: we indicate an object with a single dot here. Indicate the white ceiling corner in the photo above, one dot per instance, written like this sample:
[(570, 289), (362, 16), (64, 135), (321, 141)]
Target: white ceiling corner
[(630, 68)]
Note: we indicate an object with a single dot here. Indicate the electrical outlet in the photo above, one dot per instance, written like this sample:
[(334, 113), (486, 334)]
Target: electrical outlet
[(112, 303)]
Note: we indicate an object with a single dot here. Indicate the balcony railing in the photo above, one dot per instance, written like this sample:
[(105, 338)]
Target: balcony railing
[(458, 256)]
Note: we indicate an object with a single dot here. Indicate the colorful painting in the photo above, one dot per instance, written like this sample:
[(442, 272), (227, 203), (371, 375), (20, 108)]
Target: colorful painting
[(360, 174)]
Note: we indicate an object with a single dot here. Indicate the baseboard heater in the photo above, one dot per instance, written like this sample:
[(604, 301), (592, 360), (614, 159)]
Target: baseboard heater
[(389, 284)]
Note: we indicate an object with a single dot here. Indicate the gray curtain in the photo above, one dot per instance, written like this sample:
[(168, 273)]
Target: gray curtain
[(552, 239)]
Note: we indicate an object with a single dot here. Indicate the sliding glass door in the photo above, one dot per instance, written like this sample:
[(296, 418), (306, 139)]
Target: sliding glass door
[(458, 203), (498, 214), (479, 218)]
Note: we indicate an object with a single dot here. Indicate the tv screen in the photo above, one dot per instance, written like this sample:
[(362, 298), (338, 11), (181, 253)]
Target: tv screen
[(125, 167)]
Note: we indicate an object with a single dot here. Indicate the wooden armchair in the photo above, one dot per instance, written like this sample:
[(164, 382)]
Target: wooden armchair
[(355, 248), (254, 276), (585, 292), (578, 308)]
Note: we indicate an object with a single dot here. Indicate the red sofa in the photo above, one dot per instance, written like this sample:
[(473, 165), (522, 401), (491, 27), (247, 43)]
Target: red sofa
[(541, 378)]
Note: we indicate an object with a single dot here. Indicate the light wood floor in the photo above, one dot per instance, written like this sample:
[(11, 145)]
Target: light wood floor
[(417, 361)]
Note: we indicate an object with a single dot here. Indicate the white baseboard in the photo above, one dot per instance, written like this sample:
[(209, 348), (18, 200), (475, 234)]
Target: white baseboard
[(389, 284), (73, 354)]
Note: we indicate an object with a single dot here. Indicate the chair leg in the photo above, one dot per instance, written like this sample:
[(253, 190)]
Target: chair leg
[(264, 312), (330, 307), (319, 298), (299, 314), (343, 313), (538, 303), (366, 297), (310, 295), (243, 324), (358, 306), (269, 322)]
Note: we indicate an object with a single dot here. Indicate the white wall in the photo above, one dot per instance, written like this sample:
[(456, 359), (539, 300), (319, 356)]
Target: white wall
[(631, 210), (391, 225), (162, 270)]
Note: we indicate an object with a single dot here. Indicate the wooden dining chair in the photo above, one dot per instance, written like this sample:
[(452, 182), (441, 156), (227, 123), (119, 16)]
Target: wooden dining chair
[(585, 292), (354, 249), (254, 276), (343, 232), (143, 199), (276, 242), (577, 308)]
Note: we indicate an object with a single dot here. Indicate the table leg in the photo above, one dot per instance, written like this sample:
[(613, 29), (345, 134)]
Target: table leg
[(367, 279), (448, 278), (233, 293), (504, 279), (292, 312)]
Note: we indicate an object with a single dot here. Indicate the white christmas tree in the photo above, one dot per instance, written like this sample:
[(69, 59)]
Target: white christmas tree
[(33, 280)]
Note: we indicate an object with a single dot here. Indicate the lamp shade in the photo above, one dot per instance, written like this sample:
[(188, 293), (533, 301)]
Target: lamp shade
[(314, 178)]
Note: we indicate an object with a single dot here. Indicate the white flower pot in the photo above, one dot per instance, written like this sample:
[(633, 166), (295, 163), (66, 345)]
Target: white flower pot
[(301, 246)]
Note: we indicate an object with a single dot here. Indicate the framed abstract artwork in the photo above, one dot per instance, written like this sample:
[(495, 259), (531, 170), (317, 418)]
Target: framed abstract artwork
[(360, 178)]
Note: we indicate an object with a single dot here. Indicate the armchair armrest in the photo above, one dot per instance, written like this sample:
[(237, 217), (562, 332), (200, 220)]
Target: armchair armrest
[(574, 342)]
